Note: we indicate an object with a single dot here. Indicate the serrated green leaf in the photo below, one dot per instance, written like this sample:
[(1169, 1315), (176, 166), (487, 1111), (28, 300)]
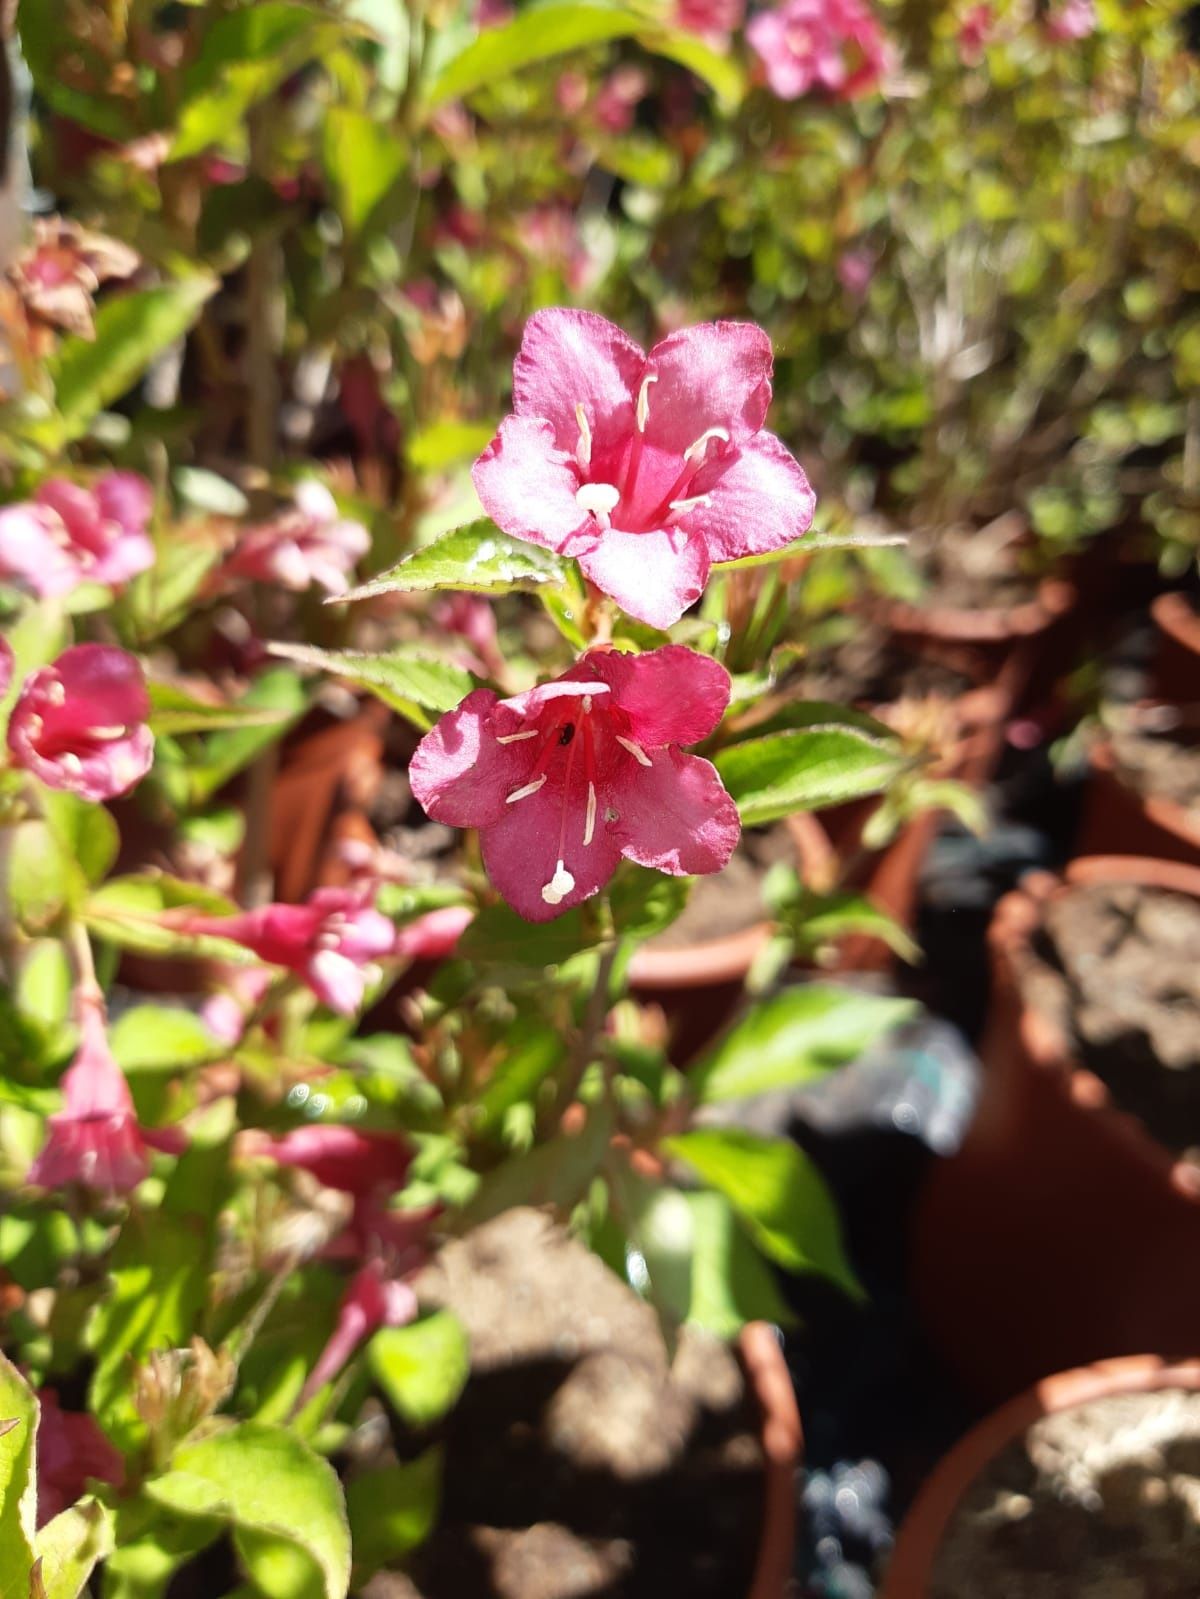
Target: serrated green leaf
[(392, 1511), (804, 769), (153, 1038), (173, 710), (531, 1050), (778, 1193), (402, 678), (477, 558), (423, 1367), (18, 1490), (70, 1546), (365, 160), (794, 1038)]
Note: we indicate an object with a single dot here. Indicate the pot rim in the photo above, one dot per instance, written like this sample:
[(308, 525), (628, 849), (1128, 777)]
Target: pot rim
[(770, 1381), (924, 1527), (1052, 599), (1175, 615), (1172, 817)]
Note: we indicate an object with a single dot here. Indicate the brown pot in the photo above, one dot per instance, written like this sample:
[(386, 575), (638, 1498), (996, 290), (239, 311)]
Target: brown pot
[(770, 1381), (926, 1524), (1060, 1232), (1117, 819), (1177, 656)]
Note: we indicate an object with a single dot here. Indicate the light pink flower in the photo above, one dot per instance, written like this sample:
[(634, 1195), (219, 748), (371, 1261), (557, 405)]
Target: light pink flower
[(973, 34), (95, 1139), (373, 1300), (855, 269), (310, 544), (71, 1450), (225, 1013), (471, 618), (60, 270), (565, 779), (1073, 20), (330, 941), (571, 92), (618, 97), (435, 935), (493, 13), (836, 45), (68, 535), (80, 724), (646, 468), (712, 20)]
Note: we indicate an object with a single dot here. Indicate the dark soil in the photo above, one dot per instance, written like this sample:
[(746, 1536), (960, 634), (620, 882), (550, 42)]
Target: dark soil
[(974, 569), (731, 901), (579, 1465), (1159, 767), (871, 668), (1117, 968), (1098, 1502)]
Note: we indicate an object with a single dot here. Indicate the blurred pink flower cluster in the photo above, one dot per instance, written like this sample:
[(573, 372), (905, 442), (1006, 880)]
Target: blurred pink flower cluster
[(834, 45)]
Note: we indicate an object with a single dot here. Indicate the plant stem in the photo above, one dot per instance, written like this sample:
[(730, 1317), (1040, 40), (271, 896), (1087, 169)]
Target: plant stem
[(580, 1057), (79, 951)]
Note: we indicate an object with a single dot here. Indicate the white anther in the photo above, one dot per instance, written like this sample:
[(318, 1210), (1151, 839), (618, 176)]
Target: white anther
[(583, 450), (589, 826), (559, 886), (515, 738), (701, 445), (598, 498), (643, 403), (524, 793), (586, 704), (71, 762), (106, 735), (682, 507), (35, 725), (635, 750), (54, 691)]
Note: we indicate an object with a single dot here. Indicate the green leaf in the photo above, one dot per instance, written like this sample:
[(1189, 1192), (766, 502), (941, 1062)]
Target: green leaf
[(69, 1547), (693, 1262), (794, 1038), (365, 159), (45, 29), (229, 751), (262, 1479), (18, 1491), (392, 1511), (246, 54), (160, 598), (408, 679), (557, 1173), (157, 1038), (423, 1367), (646, 902), (804, 770), (173, 710), (38, 876), (131, 330), (477, 558), (133, 913), (86, 832), (778, 1193), (443, 444), (533, 1049), (721, 72), (535, 35), (498, 936), (817, 919), (810, 544)]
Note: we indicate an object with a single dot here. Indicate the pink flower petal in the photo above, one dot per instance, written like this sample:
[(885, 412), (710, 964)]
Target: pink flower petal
[(33, 551), (654, 576), (671, 695), (760, 500), (717, 375), (522, 851), (459, 773), (127, 499), (570, 358), (527, 485), (79, 724), (676, 816)]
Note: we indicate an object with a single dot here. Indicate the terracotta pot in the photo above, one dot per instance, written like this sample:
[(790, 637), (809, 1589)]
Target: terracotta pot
[(1177, 656), (770, 1381), (1060, 1232), (1117, 818), (926, 1524)]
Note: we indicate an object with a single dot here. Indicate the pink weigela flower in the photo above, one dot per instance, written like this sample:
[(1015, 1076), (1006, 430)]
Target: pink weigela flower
[(310, 544), (373, 1299), (835, 45), (80, 723), (68, 535), (712, 20), (71, 1451), (330, 941), (647, 469), (1072, 21), (973, 34), (95, 1139), (565, 779)]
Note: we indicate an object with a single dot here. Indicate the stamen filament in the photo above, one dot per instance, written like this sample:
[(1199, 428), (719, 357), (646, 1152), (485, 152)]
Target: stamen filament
[(635, 750), (515, 738), (583, 450), (524, 793), (589, 826)]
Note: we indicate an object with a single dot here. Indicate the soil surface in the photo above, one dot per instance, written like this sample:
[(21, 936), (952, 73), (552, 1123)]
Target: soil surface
[(1160, 767), (871, 668), (732, 900), (1117, 968), (579, 1464), (974, 569), (1098, 1502)]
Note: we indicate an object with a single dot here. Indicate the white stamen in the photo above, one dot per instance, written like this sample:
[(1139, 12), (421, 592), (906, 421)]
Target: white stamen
[(586, 704), (524, 793), (635, 750), (682, 507), (35, 725), (72, 763), (598, 498), (583, 450), (515, 738), (559, 886), (54, 691), (701, 444), (643, 403), (589, 827), (106, 735)]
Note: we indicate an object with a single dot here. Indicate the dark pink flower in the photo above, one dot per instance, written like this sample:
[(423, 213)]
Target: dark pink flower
[(836, 45), (71, 1450), (1071, 21), (973, 34), (68, 535), (472, 619), (362, 1164), (95, 1139), (645, 468), (373, 1300), (310, 544), (80, 724), (59, 271), (565, 779), (493, 13), (618, 96), (435, 935), (712, 20), (330, 941)]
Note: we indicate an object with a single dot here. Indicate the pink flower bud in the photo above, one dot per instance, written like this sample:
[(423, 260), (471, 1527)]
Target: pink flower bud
[(68, 535), (312, 544), (71, 1449), (80, 724), (372, 1300)]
